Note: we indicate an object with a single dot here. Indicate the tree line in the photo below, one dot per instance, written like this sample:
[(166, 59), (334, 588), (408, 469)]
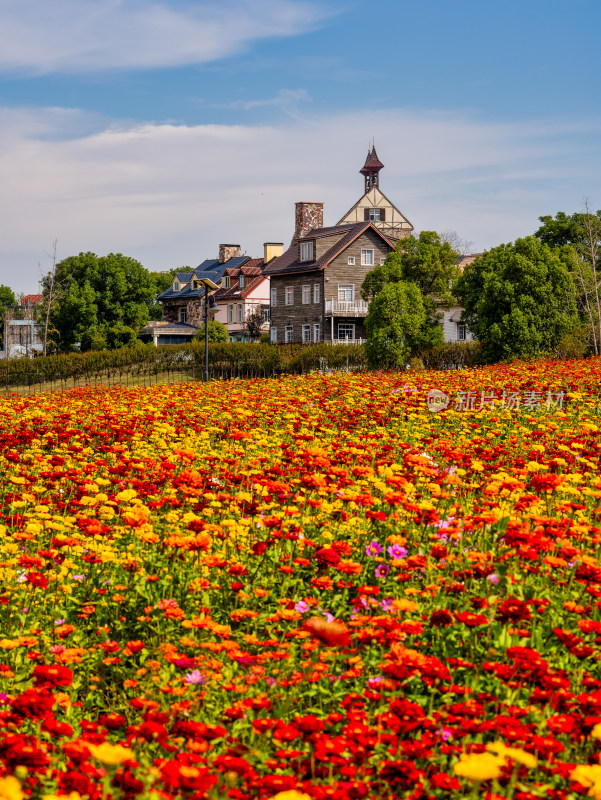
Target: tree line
[(538, 295)]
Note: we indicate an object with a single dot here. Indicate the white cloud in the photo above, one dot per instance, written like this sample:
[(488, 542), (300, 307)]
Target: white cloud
[(285, 99), (168, 194), (37, 36)]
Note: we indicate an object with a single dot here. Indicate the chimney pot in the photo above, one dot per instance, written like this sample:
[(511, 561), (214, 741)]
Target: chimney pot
[(227, 251)]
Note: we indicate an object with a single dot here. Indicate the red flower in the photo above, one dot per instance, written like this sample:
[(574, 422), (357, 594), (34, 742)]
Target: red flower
[(52, 675), (330, 633), (513, 610)]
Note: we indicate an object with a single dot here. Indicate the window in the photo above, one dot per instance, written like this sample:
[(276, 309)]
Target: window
[(230, 313), (346, 330), (306, 295), (367, 258), (288, 332), (306, 334), (316, 293), (316, 332), (265, 313), (461, 332), (306, 251), (240, 312), (274, 297), (351, 261), (176, 286), (346, 292), (273, 335), (289, 293), (226, 281), (242, 281), (374, 214), (183, 315), (382, 260)]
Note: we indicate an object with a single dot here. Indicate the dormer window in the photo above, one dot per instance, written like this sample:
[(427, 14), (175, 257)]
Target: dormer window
[(176, 286), (226, 281), (242, 281), (306, 251)]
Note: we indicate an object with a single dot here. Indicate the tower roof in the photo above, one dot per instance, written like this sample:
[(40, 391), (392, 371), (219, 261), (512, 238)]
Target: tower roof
[(372, 163)]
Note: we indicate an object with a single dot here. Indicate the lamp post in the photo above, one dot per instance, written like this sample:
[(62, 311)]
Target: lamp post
[(208, 284)]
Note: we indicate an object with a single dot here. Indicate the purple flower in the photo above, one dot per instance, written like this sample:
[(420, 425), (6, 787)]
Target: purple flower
[(195, 677), (396, 551), (302, 607), (493, 578), (382, 570), (59, 621), (373, 549)]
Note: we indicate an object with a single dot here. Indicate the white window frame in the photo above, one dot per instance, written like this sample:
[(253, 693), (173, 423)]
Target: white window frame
[(182, 315), (316, 332), (242, 281), (289, 295), (306, 334), (273, 335), (240, 313), (374, 215), (274, 297), (351, 261), (230, 313), (382, 260), (288, 334), (367, 257), (461, 332), (226, 281), (346, 292), (305, 252), (350, 325), (306, 295), (316, 293), (176, 286)]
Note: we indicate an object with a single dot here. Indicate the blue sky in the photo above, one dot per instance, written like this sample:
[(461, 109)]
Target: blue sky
[(159, 129)]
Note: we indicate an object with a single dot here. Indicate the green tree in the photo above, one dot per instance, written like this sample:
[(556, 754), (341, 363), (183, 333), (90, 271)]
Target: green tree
[(7, 300), (100, 301), (395, 318), (431, 265), (217, 332), (578, 236), (518, 299)]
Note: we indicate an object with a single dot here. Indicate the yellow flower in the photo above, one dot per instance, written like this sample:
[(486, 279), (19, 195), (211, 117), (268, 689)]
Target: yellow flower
[(514, 753), (291, 794), (588, 775), (479, 766), (596, 732), (10, 789), (111, 754)]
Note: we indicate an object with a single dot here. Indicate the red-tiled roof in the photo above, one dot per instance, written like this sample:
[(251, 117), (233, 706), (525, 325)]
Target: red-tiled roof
[(289, 263), (30, 299)]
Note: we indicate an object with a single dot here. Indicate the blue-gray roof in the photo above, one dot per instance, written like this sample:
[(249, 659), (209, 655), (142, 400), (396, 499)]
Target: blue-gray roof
[(209, 268)]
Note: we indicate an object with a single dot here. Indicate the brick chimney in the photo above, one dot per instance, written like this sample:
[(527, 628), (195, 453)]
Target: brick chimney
[(307, 216), (227, 251)]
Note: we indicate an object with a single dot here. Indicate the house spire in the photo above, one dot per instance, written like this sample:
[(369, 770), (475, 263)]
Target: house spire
[(371, 169)]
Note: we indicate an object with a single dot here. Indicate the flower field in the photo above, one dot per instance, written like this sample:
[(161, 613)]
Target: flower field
[(306, 587)]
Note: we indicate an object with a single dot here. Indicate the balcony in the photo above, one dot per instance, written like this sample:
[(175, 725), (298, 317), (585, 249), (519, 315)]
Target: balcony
[(346, 308)]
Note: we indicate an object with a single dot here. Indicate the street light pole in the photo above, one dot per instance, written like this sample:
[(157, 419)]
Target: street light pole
[(206, 334), (208, 284)]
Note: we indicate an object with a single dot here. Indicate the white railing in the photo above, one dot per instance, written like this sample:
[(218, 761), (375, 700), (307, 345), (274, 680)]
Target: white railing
[(357, 308), (344, 341)]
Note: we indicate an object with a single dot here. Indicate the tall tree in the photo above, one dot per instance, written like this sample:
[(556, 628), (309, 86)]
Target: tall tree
[(518, 299), (579, 237), (393, 323), (428, 263), (101, 301), (7, 300)]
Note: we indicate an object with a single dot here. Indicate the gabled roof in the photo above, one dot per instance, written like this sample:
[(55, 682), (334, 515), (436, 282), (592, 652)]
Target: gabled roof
[(289, 263), (252, 271), (390, 203)]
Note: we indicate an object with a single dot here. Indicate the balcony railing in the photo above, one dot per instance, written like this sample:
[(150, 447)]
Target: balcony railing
[(344, 341), (346, 308)]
